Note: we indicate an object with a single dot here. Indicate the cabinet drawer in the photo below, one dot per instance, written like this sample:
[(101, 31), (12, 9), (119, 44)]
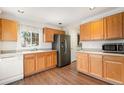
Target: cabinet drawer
[(113, 58)]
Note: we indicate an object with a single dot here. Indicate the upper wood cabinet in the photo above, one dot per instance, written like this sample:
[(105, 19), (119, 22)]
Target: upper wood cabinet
[(114, 68), (8, 30), (111, 27), (85, 32), (92, 30), (114, 26), (97, 29), (49, 34), (82, 62), (95, 65)]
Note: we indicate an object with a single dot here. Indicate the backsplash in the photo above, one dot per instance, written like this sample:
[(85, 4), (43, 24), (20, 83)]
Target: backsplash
[(98, 44)]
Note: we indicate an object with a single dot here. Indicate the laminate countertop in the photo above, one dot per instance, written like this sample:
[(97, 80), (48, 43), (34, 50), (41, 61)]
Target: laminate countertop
[(6, 54), (100, 52)]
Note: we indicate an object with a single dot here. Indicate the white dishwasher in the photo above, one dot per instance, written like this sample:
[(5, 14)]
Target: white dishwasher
[(11, 68)]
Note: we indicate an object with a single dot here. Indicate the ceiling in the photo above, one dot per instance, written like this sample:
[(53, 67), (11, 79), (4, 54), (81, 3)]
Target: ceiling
[(53, 15)]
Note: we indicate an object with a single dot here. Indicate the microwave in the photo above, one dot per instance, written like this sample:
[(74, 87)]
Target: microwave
[(113, 47)]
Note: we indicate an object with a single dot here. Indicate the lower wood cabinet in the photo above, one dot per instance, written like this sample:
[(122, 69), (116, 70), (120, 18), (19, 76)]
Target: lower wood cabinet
[(82, 62), (95, 65), (114, 68), (37, 62), (40, 63), (29, 64), (105, 67)]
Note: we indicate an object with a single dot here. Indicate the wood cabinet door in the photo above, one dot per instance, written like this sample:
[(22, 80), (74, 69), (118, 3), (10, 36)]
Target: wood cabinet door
[(61, 32), (54, 59), (0, 29), (97, 30), (9, 30), (82, 62), (114, 68), (85, 32), (48, 60), (40, 63), (114, 26), (29, 64), (95, 65), (48, 35)]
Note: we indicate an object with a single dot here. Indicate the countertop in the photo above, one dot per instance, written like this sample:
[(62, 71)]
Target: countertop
[(15, 53), (37, 51), (100, 52)]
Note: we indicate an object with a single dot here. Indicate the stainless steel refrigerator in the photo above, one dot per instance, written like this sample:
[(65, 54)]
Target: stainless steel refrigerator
[(62, 45)]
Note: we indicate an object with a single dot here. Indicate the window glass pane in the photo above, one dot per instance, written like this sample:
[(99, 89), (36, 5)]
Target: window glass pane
[(25, 39)]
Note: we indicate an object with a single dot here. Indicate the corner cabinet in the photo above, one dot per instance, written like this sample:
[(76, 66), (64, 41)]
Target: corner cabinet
[(49, 34), (114, 25), (8, 30), (37, 62)]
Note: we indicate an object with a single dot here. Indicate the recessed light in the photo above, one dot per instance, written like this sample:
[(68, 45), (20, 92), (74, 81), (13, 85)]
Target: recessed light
[(21, 11), (91, 8)]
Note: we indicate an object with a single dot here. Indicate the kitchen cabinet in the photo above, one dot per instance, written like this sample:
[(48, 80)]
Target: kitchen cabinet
[(51, 59), (29, 64), (61, 32), (54, 59), (97, 29), (108, 68), (111, 27), (49, 34), (95, 65), (82, 62), (85, 32), (114, 68), (114, 26), (40, 63), (8, 30), (37, 62), (48, 60)]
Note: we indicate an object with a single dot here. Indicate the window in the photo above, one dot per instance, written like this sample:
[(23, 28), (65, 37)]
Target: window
[(29, 39)]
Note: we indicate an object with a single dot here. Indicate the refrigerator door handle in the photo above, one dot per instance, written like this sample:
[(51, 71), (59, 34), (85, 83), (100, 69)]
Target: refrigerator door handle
[(65, 46)]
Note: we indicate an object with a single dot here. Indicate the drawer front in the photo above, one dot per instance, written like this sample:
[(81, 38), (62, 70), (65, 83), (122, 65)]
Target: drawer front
[(113, 58)]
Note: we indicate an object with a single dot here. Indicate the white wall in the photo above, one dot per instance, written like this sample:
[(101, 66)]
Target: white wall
[(73, 31)]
